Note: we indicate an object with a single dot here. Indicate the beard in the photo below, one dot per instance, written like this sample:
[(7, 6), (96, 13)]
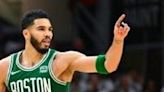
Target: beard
[(37, 45)]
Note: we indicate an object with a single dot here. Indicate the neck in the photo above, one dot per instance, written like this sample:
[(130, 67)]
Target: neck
[(30, 57)]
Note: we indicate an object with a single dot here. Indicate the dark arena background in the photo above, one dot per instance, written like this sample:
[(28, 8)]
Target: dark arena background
[(87, 26)]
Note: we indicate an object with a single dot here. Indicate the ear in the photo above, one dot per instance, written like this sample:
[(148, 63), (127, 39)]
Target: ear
[(26, 34)]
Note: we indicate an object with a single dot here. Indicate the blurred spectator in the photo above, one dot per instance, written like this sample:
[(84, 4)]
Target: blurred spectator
[(84, 83), (136, 80), (123, 84), (131, 81), (106, 85), (93, 83), (75, 83)]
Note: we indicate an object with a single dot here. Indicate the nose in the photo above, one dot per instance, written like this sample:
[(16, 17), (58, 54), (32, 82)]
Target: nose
[(48, 33)]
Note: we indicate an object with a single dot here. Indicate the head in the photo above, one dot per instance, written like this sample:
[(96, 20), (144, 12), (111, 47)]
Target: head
[(37, 30)]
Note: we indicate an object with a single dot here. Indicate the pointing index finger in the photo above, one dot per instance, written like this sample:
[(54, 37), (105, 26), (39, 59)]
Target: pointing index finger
[(120, 19)]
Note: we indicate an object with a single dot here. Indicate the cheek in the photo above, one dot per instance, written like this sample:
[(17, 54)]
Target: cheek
[(36, 37)]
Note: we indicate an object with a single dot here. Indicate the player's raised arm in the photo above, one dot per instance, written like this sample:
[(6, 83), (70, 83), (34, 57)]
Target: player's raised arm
[(113, 55), (108, 62)]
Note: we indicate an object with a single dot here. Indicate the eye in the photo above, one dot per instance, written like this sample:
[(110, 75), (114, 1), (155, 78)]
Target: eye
[(41, 29), (51, 29)]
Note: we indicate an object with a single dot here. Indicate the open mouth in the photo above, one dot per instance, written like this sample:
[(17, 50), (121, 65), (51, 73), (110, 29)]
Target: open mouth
[(46, 42)]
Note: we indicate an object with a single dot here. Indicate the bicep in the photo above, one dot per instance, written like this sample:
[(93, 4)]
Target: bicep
[(85, 64)]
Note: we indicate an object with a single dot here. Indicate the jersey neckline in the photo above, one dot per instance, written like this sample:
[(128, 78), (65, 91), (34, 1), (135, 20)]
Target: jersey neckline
[(33, 67)]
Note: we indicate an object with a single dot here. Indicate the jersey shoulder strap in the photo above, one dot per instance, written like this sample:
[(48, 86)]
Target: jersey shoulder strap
[(12, 60)]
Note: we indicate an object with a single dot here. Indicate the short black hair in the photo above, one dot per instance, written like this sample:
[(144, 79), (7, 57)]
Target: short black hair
[(29, 17)]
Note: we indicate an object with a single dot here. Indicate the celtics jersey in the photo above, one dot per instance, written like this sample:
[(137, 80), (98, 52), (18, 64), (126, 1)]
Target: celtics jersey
[(38, 78)]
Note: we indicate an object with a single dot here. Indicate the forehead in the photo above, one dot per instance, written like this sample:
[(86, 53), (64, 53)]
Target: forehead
[(42, 22)]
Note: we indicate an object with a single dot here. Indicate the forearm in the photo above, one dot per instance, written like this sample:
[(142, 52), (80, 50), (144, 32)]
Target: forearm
[(113, 55)]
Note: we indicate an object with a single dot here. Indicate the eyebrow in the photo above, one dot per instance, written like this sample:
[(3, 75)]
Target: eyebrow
[(43, 27)]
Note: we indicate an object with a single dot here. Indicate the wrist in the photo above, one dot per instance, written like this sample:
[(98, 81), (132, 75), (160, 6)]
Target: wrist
[(118, 41)]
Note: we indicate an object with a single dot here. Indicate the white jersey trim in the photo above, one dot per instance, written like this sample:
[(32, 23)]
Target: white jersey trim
[(30, 68), (11, 57), (52, 74)]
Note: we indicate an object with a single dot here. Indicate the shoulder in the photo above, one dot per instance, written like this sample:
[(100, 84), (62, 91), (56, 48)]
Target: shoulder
[(70, 54), (4, 62), (4, 65), (67, 57)]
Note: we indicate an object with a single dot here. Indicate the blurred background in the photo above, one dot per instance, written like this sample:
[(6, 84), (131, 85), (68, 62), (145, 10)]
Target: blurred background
[(87, 26)]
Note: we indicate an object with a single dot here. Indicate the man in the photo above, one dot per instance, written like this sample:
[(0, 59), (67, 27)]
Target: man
[(38, 68)]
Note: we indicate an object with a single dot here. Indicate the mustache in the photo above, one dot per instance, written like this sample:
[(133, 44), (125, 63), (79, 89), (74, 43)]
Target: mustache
[(47, 38)]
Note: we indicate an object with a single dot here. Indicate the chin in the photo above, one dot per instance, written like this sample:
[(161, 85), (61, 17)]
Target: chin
[(43, 51)]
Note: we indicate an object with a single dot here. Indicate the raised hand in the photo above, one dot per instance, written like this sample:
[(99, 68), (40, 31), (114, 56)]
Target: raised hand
[(121, 29)]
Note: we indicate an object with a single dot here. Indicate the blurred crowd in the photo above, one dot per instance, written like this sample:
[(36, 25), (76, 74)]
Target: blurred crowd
[(131, 81)]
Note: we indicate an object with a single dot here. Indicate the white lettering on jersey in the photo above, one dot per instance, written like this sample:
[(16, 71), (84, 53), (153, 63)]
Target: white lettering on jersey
[(13, 86), (25, 82), (47, 85), (19, 86), (33, 84), (38, 85)]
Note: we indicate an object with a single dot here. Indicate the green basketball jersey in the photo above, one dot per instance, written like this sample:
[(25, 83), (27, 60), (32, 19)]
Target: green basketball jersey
[(38, 78)]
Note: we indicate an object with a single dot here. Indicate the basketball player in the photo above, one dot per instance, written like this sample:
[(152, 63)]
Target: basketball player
[(37, 68)]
